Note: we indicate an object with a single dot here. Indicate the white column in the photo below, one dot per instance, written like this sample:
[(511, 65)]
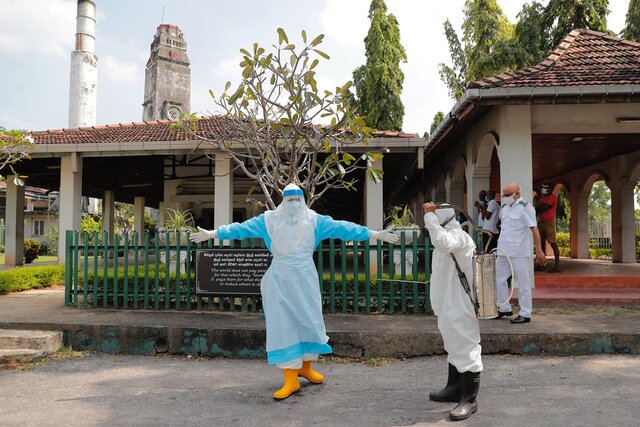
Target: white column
[(456, 193), (108, 213), (138, 216), (14, 230), (514, 150), (373, 211), (623, 243), (515, 154), (479, 181), (70, 199), (579, 225), (223, 191)]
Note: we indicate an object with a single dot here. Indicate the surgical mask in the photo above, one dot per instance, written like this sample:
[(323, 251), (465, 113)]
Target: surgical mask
[(545, 191), (508, 200)]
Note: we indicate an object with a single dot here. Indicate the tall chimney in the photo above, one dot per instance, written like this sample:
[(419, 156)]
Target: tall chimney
[(84, 68)]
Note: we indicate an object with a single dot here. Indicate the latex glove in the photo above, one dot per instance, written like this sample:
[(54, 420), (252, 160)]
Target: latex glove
[(203, 235), (384, 235)]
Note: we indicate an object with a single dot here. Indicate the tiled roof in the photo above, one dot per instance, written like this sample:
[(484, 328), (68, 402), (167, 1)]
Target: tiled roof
[(149, 131), (583, 58), (157, 130)]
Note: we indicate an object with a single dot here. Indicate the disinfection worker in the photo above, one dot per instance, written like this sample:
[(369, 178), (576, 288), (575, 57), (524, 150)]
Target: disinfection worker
[(291, 297), (452, 305)]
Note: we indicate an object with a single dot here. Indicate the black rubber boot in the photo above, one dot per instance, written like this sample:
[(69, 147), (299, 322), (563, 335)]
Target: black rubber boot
[(469, 386), (451, 392)]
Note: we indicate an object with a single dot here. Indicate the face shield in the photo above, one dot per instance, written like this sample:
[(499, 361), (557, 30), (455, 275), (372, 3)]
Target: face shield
[(293, 201), (293, 205)]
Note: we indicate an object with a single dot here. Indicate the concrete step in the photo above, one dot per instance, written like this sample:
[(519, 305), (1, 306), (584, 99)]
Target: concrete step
[(45, 341), (11, 358)]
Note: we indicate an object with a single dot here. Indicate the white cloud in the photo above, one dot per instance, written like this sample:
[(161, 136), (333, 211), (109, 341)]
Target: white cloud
[(229, 67), (49, 24), (118, 70), (346, 21)]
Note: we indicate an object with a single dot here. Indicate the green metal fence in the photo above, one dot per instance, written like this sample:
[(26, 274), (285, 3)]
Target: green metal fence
[(131, 272)]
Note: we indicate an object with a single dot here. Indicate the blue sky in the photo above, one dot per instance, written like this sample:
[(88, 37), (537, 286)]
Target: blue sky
[(37, 36)]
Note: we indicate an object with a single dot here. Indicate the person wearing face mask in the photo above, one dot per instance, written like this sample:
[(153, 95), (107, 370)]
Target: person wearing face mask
[(546, 204), (455, 310), (479, 205), (291, 298), (518, 221)]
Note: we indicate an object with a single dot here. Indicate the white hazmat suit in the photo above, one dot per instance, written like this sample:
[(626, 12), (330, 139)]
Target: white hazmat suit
[(456, 316)]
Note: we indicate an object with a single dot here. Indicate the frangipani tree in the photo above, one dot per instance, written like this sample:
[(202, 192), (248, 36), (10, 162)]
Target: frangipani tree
[(278, 127), (14, 146)]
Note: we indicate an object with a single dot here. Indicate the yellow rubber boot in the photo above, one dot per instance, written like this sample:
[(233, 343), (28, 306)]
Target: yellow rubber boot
[(291, 384), (311, 375)]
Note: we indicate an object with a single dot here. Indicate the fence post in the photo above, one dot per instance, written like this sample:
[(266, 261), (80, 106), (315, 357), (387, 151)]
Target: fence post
[(68, 266)]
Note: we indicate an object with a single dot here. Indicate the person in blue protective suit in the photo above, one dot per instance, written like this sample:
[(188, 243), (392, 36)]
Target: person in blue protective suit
[(454, 308), (291, 297)]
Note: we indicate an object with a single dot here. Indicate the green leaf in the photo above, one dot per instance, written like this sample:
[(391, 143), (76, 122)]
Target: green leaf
[(236, 95), (227, 86), (321, 53), (317, 40), (314, 63), (244, 52), (282, 36), (247, 71), (211, 93), (304, 36)]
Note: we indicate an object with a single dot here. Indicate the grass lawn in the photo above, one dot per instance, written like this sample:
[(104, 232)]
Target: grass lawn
[(41, 258)]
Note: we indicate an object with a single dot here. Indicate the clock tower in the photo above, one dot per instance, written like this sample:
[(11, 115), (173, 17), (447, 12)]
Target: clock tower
[(167, 84)]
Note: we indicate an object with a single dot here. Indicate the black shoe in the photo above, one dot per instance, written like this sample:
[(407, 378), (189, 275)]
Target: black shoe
[(502, 314), (451, 392), (521, 319), (469, 384)]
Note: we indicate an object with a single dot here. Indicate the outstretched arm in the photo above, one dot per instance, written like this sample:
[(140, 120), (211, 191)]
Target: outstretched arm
[(329, 228), (251, 228)]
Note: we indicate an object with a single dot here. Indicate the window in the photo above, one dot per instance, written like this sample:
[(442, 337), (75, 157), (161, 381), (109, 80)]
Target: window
[(38, 227)]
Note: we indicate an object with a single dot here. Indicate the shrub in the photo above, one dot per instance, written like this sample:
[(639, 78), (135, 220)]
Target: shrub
[(44, 248), (603, 253), (24, 278), (31, 250), (564, 243)]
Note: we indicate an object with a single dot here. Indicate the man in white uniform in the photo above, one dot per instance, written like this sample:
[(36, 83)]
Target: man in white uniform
[(457, 320), (518, 222)]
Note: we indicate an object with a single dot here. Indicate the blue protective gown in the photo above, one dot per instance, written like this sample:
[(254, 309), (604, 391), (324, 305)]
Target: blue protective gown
[(291, 297)]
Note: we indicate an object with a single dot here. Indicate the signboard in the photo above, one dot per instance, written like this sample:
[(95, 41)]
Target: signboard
[(225, 271)]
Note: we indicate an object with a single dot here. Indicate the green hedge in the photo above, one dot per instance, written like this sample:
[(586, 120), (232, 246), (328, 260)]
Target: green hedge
[(564, 243), (24, 278)]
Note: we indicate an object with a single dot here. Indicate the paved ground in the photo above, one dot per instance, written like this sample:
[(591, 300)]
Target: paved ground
[(242, 334), (102, 389)]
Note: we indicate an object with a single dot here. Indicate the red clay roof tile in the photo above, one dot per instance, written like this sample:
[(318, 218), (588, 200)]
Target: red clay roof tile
[(157, 130), (584, 58)]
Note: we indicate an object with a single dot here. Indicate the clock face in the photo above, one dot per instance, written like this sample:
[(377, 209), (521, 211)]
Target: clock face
[(173, 113)]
